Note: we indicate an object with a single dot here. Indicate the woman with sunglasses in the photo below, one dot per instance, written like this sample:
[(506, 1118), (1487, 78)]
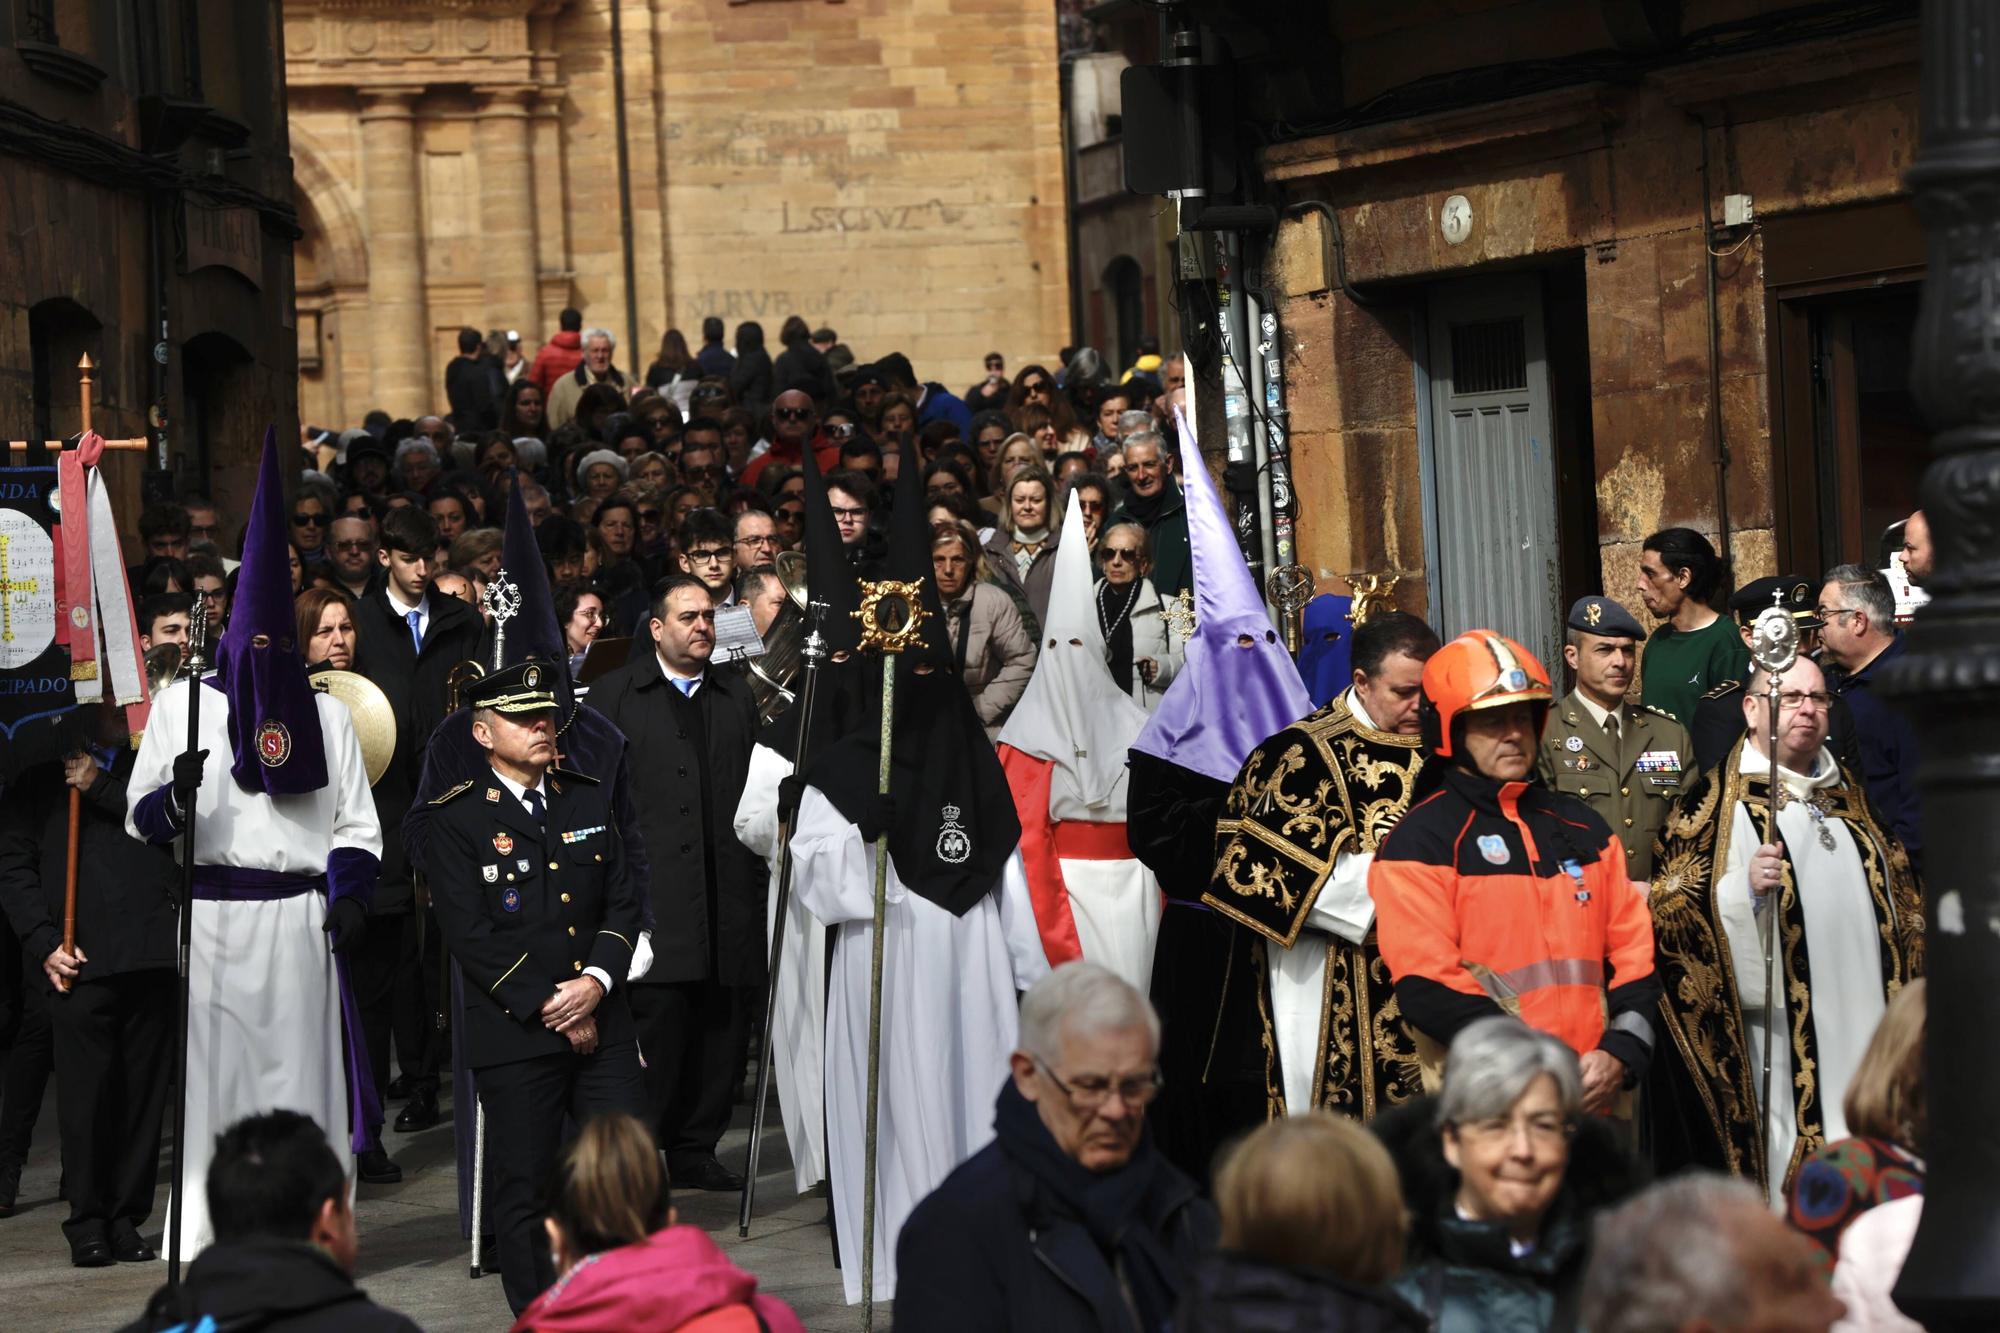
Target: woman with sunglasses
[(1035, 387), (312, 518), (1140, 645)]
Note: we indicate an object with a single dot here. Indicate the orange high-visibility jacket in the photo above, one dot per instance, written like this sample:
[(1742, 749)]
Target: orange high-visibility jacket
[(1510, 897)]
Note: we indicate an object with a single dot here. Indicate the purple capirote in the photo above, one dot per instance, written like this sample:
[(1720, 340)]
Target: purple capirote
[(1232, 695), (274, 730)]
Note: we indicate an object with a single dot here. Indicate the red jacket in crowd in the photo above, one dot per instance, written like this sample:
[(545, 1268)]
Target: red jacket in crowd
[(558, 357)]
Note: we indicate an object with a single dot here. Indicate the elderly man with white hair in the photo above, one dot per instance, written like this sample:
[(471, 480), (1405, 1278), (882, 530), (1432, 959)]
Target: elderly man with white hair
[(1703, 1254), (595, 368), (1070, 1219)]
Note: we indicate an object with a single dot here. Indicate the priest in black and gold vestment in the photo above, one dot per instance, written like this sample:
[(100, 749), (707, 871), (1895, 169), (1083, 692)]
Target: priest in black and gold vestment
[(1849, 935), (1298, 834)]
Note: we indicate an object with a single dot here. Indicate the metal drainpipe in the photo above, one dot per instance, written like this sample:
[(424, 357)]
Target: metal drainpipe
[(1281, 516), (624, 187), (1066, 85), (1234, 335), (1715, 435), (1251, 357)]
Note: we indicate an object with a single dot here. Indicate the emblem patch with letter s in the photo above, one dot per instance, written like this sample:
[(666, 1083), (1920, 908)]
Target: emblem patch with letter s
[(954, 844), (274, 744), (491, 874), (1494, 848)]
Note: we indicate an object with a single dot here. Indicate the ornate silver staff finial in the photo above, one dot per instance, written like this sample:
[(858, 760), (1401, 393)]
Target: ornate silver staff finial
[(1774, 639), (503, 603), (196, 659)]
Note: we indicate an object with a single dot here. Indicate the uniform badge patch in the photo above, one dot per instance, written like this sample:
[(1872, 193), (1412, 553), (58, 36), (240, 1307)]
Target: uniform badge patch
[(521, 866), (1573, 744), (274, 744), (490, 873), (1659, 761), (1494, 848), (493, 794), (511, 900), (954, 844), (503, 843)]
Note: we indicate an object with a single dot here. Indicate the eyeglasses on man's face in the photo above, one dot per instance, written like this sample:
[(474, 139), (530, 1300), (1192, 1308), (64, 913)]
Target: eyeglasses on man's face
[(708, 555), (308, 519), (792, 413), (1089, 1092)]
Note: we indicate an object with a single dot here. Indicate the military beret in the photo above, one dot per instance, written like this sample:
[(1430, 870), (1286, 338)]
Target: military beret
[(1800, 596), (526, 687), (1603, 617)]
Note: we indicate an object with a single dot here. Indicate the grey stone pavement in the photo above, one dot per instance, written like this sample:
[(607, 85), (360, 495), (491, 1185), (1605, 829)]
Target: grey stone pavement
[(412, 1259)]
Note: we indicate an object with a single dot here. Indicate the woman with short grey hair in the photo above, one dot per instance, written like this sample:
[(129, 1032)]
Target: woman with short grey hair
[(1503, 1172)]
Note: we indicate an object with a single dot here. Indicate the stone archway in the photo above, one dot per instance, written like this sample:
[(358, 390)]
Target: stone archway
[(331, 268)]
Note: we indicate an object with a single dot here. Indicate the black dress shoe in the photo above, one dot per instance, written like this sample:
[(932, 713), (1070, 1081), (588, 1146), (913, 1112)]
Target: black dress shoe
[(90, 1252), (421, 1113), (398, 1089), (128, 1248), (704, 1173), (10, 1187), (374, 1166)]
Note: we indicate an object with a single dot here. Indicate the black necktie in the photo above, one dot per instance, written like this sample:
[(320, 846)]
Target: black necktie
[(533, 800)]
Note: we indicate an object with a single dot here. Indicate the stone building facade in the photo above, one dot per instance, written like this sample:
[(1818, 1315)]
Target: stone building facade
[(891, 168), (146, 220), (1552, 341)]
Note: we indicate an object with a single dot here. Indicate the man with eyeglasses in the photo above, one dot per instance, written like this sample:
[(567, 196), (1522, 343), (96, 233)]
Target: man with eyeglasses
[(1718, 717), (1153, 501), (757, 540), (794, 427), (707, 546), (1072, 1213), (354, 562), (1849, 929), (1860, 639)]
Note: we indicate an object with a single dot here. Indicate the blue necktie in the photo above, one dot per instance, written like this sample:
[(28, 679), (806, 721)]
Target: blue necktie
[(416, 619), (533, 800), (686, 685)]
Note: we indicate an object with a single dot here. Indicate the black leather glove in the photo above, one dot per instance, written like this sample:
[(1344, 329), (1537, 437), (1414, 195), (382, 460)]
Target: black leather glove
[(790, 790), (346, 922), (187, 774), (877, 817)]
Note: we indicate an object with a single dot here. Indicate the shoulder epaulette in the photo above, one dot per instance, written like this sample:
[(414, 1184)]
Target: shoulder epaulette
[(1718, 692), (453, 792)]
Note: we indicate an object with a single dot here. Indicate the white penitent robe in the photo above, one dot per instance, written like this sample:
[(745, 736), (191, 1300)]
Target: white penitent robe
[(949, 1020), (798, 1027), (1842, 940), (264, 1007), (1298, 974), (1116, 904)]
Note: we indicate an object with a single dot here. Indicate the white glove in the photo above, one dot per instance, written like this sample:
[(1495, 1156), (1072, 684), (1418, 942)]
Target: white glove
[(642, 957)]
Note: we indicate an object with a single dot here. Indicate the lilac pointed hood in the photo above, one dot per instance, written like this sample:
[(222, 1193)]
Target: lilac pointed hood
[(1229, 698), (274, 731)]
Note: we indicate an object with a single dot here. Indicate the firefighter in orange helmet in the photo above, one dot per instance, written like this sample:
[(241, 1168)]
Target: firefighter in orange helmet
[(1500, 895)]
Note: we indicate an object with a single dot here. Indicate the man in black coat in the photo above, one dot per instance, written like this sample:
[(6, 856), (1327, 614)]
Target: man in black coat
[(111, 1002), (1070, 1218), (407, 640), (537, 903), (285, 1244), (695, 728)]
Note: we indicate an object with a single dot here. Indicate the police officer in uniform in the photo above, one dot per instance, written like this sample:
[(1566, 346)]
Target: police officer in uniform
[(1718, 718), (1628, 763), (537, 903)]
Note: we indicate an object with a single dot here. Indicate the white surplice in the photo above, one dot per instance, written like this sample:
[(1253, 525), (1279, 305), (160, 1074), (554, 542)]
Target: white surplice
[(1298, 974), (264, 1006), (798, 1027), (1842, 939), (949, 1021)]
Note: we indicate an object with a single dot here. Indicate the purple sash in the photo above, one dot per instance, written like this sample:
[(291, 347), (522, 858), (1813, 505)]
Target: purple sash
[(236, 884)]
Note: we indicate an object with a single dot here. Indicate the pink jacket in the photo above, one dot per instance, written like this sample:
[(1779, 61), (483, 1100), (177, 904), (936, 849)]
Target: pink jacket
[(670, 1281), (1872, 1251)]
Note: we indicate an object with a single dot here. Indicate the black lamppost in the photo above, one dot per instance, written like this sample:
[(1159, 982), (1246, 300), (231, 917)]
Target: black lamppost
[(1951, 676)]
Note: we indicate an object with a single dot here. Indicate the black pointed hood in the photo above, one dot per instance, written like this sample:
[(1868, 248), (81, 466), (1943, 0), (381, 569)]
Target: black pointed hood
[(956, 824)]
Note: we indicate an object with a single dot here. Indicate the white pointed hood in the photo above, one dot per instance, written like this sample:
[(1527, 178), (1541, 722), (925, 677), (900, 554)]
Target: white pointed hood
[(1073, 713)]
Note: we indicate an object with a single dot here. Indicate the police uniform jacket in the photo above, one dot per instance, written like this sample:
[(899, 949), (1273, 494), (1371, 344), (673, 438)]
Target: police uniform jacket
[(689, 759), (523, 909), (1631, 783)]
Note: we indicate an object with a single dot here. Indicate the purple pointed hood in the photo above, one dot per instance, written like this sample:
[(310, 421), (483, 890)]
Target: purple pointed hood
[(1230, 697), (274, 728)]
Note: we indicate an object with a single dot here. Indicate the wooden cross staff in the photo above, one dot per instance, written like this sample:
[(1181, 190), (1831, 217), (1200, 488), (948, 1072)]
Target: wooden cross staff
[(84, 367), (140, 446)]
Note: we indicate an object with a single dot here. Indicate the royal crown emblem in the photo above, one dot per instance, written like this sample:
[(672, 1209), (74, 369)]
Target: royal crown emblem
[(954, 844)]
